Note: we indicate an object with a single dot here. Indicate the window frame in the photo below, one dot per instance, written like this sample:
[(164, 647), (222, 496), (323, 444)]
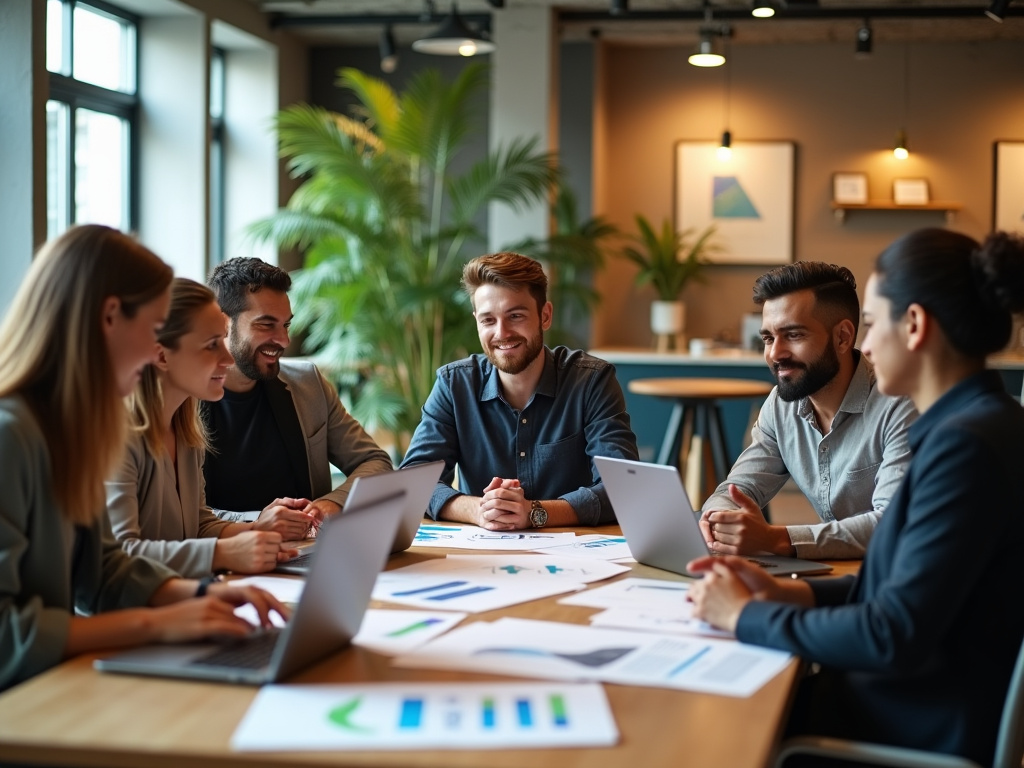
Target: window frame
[(218, 163), (78, 94)]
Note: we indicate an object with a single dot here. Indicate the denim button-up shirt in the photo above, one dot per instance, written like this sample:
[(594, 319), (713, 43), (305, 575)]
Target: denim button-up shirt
[(577, 412)]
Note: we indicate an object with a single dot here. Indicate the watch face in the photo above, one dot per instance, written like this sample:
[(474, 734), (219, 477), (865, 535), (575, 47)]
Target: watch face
[(538, 516)]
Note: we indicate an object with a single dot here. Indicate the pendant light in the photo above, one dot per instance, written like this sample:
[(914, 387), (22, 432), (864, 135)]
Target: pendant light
[(388, 52), (706, 54), (454, 38), (763, 9), (724, 151), (900, 151)]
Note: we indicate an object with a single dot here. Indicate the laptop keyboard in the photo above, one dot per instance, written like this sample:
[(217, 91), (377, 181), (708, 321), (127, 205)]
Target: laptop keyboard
[(303, 561), (251, 653)]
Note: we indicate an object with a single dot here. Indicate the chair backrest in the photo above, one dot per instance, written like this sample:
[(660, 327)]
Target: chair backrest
[(1010, 743)]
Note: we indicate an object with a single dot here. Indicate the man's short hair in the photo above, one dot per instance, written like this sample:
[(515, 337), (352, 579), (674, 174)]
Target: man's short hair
[(834, 287), (508, 270), (235, 279)]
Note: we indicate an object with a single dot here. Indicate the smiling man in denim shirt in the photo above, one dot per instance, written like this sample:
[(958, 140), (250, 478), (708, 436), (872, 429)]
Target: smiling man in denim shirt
[(522, 422)]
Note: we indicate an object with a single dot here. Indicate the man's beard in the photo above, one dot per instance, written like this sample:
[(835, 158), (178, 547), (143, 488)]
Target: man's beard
[(245, 359), (816, 375), (512, 365)]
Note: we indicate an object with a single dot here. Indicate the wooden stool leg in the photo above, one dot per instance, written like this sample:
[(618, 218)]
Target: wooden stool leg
[(683, 454), (717, 436), (669, 453)]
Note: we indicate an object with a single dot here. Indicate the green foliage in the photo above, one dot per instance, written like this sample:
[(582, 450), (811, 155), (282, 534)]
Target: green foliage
[(385, 226), (668, 260)]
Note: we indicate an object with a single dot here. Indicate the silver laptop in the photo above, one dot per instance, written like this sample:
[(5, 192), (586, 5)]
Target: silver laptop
[(659, 523), (354, 549), (418, 485)]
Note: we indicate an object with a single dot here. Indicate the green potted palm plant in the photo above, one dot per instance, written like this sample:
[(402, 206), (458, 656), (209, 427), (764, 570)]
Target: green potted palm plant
[(668, 260), (386, 226)]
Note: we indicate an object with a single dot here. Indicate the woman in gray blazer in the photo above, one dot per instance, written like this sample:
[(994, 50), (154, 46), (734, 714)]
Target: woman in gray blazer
[(156, 501), (72, 344)]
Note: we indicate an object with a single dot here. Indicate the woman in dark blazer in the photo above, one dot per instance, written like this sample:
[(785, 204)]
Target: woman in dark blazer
[(918, 649), (72, 344)]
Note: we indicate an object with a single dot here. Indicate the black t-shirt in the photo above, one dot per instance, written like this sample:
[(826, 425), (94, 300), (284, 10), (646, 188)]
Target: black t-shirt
[(249, 466)]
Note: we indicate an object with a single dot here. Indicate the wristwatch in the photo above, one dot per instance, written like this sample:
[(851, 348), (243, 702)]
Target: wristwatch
[(538, 515)]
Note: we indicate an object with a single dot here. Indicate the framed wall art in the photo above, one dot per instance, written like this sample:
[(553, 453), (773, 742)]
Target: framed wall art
[(1008, 200), (748, 198), (910, 191), (850, 188)]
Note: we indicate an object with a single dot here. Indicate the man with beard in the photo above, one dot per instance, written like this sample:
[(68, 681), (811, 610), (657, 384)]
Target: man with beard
[(280, 424), (521, 421), (825, 424)]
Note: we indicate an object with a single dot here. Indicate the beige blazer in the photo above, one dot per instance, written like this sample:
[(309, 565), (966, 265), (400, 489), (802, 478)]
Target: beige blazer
[(163, 517)]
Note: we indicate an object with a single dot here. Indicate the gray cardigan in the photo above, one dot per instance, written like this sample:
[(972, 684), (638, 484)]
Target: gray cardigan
[(42, 577), (156, 514)]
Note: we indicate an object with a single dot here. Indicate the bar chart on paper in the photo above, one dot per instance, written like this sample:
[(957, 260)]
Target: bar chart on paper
[(453, 716)]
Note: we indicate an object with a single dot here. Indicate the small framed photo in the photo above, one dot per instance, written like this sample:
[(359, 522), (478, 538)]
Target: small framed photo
[(850, 188), (910, 191)]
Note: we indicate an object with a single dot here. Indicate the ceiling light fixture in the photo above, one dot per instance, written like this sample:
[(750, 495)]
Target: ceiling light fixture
[(865, 41), (454, 38), (388, 53), (997, 11), (705, 55), (763, 9), (724, 151), (900, 151)]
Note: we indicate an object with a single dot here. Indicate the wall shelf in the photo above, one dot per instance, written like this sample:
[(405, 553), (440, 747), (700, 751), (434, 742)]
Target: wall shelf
[(950, 209)]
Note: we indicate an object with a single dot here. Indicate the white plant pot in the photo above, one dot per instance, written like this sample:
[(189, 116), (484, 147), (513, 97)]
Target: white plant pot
[(668, 317)]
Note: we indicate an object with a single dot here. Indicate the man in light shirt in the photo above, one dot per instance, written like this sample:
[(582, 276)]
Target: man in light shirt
[(825, 424)]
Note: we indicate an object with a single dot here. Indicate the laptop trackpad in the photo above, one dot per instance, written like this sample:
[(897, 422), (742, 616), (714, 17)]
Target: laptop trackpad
[(150, 656)]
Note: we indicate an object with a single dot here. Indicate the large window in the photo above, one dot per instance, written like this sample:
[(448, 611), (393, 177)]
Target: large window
[(90, 116), (218, 166)]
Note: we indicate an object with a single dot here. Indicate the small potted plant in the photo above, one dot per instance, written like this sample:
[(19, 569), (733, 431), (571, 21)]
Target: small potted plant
[(668, 261)]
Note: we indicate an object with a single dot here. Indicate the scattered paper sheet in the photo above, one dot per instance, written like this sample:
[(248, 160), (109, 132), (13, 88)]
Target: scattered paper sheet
[(679, 623), (427, 716), (285, 589), (394, 632), (518, 568), (472, 537), (573, 652), (454, 592), (593, 546), (639, 594)]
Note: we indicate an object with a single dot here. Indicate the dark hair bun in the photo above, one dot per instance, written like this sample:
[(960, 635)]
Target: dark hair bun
[(998, 266)]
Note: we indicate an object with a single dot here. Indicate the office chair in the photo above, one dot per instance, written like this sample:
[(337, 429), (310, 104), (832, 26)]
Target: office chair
[(1009, 742)]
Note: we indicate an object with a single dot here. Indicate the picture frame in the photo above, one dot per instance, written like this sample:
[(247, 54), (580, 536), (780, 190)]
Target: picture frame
[(910, 192), (747, 198), (850, 188), (1008, 182)]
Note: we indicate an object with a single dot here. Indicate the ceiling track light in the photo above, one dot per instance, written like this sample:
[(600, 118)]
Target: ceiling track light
[(388, 52), (707, 54), (618, 7), (724, 151), (997, 11), (763, 9), (454, 38), (865, 41)]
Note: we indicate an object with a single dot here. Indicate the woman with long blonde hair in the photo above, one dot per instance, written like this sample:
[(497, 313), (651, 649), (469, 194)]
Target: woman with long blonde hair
[(73, 343), (156, 501)]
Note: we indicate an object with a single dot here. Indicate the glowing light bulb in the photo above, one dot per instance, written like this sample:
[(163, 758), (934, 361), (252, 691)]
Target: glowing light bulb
[(763, 12), (724, 154), (900, 153), (467, 48)]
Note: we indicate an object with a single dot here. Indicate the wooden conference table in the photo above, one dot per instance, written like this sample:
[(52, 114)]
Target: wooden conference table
[(75, 716)]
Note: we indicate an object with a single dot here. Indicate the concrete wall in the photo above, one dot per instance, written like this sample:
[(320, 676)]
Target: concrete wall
[(841, 112)]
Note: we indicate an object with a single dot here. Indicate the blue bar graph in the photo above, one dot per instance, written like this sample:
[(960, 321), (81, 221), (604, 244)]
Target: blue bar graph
[(434, 588), (683, 665), (412, 713), (488, 713), (460, 593), (558, 711), (523, 711)]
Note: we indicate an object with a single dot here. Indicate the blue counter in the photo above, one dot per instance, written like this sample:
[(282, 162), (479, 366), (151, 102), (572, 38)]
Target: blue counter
[(649, 415)]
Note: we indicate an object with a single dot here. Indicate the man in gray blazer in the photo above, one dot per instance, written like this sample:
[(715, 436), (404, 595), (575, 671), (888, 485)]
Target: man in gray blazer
[(280, 424)]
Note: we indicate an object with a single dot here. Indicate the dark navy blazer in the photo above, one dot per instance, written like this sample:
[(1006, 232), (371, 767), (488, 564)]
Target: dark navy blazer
[(918, 650)]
